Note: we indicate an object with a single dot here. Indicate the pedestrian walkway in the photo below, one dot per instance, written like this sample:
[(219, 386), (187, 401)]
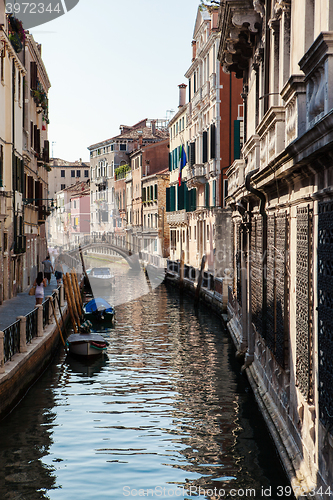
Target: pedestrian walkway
[(21, 305)]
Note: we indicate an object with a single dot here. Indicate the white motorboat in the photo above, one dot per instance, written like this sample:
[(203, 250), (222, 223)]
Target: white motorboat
[(86, 344), (101, 277)]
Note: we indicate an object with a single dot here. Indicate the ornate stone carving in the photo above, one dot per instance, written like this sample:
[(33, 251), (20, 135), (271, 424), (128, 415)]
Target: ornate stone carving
[(316, 95), (259, 7), (291, 121), (246, 19)]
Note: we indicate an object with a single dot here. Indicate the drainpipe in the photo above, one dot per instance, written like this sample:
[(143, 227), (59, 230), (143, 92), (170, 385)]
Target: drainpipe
[(249, 357)]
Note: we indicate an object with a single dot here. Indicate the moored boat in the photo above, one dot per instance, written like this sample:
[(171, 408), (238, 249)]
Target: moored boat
[(101, 277), (86, 344), (98, 310)]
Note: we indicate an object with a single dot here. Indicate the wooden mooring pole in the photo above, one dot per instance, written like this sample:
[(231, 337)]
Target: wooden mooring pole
[(197, 291)]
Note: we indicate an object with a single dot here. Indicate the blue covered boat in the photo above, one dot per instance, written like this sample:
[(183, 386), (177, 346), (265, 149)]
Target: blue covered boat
[(98, 310)]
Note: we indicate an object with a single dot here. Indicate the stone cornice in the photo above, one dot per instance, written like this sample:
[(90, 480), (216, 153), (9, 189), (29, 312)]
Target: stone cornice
[(237, 17), (254, 141), (301, 152), (295, 85), (274, 114), (8, 46), (321, 47)]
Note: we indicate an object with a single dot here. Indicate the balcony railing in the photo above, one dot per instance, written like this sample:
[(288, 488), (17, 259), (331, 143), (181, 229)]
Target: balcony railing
[(196, 175), (179, 217)]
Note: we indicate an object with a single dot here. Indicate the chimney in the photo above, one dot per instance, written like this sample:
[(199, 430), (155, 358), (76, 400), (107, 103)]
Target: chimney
[(153, 127), (182, 95), (194, 50), (140, 140)]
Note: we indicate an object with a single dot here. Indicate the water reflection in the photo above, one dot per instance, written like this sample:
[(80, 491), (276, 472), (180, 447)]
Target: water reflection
[(166, 408)]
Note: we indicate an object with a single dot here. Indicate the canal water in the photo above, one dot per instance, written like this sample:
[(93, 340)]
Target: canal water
[(164, 414)]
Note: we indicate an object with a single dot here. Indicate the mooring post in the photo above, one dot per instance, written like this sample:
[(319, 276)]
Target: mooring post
[(61, 295), (197, 291), (39, 320), (23, 333), (181, 271)]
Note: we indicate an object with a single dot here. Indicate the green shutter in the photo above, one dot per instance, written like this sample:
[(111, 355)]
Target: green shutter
[(170, 162), (214, 193), (193, 199), (237, 148), (151, 193), (155, 194), (181, 196), (143, 194), (167, 200), (207, 195), (172, 198)]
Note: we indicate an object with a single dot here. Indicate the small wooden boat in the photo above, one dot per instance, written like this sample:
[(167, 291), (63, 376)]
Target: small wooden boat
[(86, 344), (101, 277), (98, 310)]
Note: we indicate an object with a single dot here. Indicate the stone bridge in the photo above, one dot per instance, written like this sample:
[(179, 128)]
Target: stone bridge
[(109, 242)]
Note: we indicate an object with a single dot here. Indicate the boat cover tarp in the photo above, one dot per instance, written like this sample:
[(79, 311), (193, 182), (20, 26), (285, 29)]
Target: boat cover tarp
[(98, 304), (85, 337)]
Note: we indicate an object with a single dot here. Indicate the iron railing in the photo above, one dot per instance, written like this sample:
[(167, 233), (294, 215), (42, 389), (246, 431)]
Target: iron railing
[(31, 325), (11, 340)]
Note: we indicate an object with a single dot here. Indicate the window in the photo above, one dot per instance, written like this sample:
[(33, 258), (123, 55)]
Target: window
[(78, 173), (74, 204), (86, 173), (72, 173), (63, 186), (62, 174), (122, 147), (207, 232), (173, 239)]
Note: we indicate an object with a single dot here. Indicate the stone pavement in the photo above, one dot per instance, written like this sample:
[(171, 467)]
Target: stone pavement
[(21, 305)]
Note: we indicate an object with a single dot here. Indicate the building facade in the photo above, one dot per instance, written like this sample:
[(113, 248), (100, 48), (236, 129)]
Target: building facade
[(23, 156), (110, 162), (36, 203), (209, 128), (66, 173), (280, 193)]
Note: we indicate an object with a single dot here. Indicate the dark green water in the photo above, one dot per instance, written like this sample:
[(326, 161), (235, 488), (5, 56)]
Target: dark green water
[(164, 414)]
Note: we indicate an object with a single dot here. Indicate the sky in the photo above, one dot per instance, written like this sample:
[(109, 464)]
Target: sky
[(113, 64)]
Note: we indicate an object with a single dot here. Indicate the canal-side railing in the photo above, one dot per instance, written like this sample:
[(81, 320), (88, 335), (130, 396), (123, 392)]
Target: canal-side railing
[(11, 340), (31, 321), (15, 337)]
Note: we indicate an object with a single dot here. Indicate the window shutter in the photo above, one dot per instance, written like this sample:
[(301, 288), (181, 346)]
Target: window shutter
[(193, 196), (204, 147), (237, 145), (181, 196), (143, 194), (33, 75), (212, 140), (192, 153), (207, 195), (155, 194), (167, 200), (172, 198), (46, 152), (170, 162)]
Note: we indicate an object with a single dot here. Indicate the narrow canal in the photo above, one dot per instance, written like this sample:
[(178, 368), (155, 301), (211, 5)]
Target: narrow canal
[(165, 413)]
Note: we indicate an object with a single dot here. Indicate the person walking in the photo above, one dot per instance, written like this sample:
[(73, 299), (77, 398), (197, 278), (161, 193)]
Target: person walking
[(48, 268), (58, 270), (40, 284)]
